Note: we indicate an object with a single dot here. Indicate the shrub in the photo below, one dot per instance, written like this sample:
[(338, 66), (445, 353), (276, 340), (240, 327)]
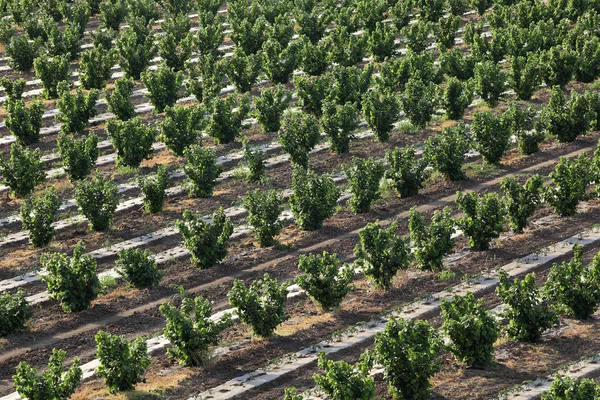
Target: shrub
[(119, 100), (380, 111), (15, 311), (565, 119), (457, 97), (292, 394), (445, 31), (570, 179), (323, 281), (132, 140), (55, 383), (224, 123), (248, 34), (483, 220), (95, 67), (573, 287), (51, 71), (175, 51), (264, 209), (490, 81), (342, 381), (364, 179), (419, 101), (23, 122), (191, 331), (13, 88), (525, 75), (417, 35), (75, 110), (206, 241), (587, 59), (181, 127), (112, 13), (176, 7), (97, 199), (492, 134), (349, 84), (558, 65), (314, 198), (209, 35), (528, 314), (206, 78), (567, 388), (38, 214), (521, 124), (381, 41), (446, 152), (71, 280), (298, 135), (279, 61), (269, 107), (22, 53), (408, 350), (338, 123), (153, 190), (163, 85), (78, 156), (313, 20), (138, 268), (254, 159), (201, 169), (243, 69), (345, 48), (431, 244), (455, 63), (122, 363), (136, 51), (522, 201), (262, 305), (406, 171), (381, 253), (311, 91), (22, 170), (471, 329)]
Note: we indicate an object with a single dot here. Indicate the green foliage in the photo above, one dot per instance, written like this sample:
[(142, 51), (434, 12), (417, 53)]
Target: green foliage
[(565, 119), (345, 48), (338, 122), (95, 67), (51, 71), (181, 127), (22, 53), (380, 111), (312, 57), (71, 280), (522, 201), (119, 100), (264, 209), (174, 51), (97, 199), (525, 75), (381, 253), (492, 134), (570, 179), (24, 122), (406, 171), (206, 78), (209, 35), (78, 156), (521, 125), (153, 190), (75, 110), (445, 31), (63, 42), (206, 241), (446, 152), (471, 329), (254, 159), (279, 61), (13, 88), (342, 381), (262, 305), (248, 35), (483, 220), (313, 20), (431, 244), (381, 41), (314, 198), (567, 388), (323, 280), (455, 63), (457, 97), (558, 65), (139, 268), (298, 135), (55, 383), (311, 91), (364, 179), (419, 101), (588, 59), (349, 84), (242, 70), (224, 123), (191, 331), (163, 85), (417, 35), (112, 13), (269, 107), (201, 169), (132, 140), (136, 51), (15, 311), (292, 394), (490, 81), (408, 350), (22, 170), (37, 216), (573, 288), (122, 363), (528, 314)]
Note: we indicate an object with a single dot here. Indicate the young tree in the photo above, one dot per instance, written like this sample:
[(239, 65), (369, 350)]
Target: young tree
[(381, 41), (51, 71), (122, 363), (191, 331), (419, 101), (570, 179), (15, 311), (22, 170), (112, 13), (210, 34), (528, 314), (364, 182), (95, 67), (567, 388), (314, 198), (201, 170), (181, 127), (380, 111), (455, 63), (408, 351), (431, 244), (78, 156), (338, 122), (525, 75), (490, 82), (342, 381), (312, 57), (298, 135), (75, 110), (119, 100), (248, 33), (71, 280), (163, 86), (406, 171), (175, 51), (38, 214), (417, 35), (558, 65), (565, 119), (224, 124), (492, 133), (457, 97), (242, 70), (483, 220), (254, 160), (23, 122), (97, 199), (381, 253), (521, 125), (522, 201), (136, 51), (262, 305), (55, 383), (206, 241), (153, 190), (139, 268), (349, 84), (311, 91), (445, 31), (446, 152), (269, 107), (206, 78), (279, 61), (132, 140), (264, 209), (22, 52)]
